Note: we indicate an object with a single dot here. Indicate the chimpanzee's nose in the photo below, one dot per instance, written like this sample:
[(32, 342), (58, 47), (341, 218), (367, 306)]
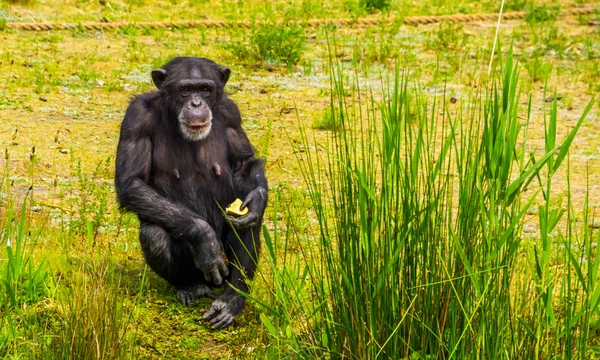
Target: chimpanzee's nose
[(196, 102)]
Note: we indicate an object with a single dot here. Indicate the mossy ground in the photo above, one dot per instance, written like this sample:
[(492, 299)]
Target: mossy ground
[(65, 92)]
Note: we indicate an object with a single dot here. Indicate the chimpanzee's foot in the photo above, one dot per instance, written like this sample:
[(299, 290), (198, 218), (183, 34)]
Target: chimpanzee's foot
[(223, 312), (189, 294)]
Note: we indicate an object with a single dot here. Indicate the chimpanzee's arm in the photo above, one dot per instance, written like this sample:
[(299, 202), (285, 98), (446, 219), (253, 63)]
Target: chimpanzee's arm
[(134, 159), (242, 158), (249, 178)]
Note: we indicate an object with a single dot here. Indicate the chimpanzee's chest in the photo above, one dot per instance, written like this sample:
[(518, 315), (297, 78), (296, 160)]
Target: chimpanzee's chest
[(196, 174)]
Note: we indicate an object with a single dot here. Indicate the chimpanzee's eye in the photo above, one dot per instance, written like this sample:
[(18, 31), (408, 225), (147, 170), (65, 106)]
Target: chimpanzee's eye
[(185, 92), (205, 92)]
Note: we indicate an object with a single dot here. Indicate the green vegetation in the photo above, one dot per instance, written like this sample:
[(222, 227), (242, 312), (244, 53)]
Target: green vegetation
[(421, 206), (21, 1), (420, 233), (270, 43), (373, 5), (542, 13)]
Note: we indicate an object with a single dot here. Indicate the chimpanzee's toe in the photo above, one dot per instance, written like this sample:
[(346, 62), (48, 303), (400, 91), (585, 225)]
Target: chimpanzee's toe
[(188, 295)]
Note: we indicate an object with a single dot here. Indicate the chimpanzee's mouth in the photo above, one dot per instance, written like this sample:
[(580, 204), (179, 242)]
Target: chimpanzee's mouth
[(197, 128)]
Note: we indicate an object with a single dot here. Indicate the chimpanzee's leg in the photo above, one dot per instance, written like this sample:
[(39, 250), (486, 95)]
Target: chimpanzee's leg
[(174, 262), (242, 253)]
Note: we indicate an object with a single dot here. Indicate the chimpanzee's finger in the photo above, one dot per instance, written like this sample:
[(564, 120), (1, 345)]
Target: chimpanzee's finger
[(233, 221), (207, 275), (202, 291), (236, 223), (216, 276), (223, 269), (252, 219), (223, 320), (247, 201), (211, 313), (215, 308), (182, 296), (246, 221)]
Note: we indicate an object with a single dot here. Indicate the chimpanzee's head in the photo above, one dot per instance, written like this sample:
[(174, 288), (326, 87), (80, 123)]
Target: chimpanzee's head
[(192, 88)]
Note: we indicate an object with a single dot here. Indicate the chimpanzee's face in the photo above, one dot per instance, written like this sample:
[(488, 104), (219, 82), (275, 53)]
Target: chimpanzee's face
[(192, 87), (193, 98)]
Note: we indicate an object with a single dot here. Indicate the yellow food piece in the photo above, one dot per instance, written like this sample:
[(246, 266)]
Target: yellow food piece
[(225, 259), (234, 208)]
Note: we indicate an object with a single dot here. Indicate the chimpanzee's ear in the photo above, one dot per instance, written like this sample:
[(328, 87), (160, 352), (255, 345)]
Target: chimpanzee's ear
[(224, 72), (159, 76)]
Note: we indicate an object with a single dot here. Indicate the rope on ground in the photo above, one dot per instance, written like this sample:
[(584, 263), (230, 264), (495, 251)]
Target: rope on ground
[(212, 24)]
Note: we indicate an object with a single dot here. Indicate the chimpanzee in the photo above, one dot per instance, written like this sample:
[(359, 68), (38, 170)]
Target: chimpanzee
[(182, 158)]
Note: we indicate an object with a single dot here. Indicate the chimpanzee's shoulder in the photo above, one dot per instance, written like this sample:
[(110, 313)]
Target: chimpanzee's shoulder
[(143, 111), (231, 112), (146, 102)]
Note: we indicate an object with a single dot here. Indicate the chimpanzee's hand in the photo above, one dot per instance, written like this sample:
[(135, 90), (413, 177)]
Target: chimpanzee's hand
[(209, 260), (208, 257), (256, 202)]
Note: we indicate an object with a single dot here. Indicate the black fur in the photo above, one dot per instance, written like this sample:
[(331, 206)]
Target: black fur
[(177, 186)]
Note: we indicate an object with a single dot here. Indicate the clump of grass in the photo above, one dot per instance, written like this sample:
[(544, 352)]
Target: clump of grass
[(555, 40), (359, 7), (129, 31), (22, 2), (419, 233), (90, 198), (376, 45), (271, 43), (538, 69), (516, 5), (542, 13), (326, 122), (70, 312), (373, 5), (93, 323), (22, 281), (450, 36), (3, 19), (289, 326)]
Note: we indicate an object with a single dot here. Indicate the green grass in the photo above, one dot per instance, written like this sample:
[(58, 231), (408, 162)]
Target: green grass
[(270, 43), (420, 215), (22, 281), (89, 318)]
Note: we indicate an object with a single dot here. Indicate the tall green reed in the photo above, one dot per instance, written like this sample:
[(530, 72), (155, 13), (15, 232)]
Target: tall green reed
[(578, 294), (22, 281), (420, 211)]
